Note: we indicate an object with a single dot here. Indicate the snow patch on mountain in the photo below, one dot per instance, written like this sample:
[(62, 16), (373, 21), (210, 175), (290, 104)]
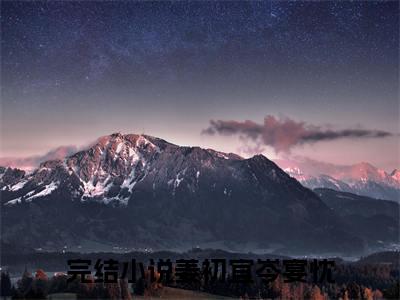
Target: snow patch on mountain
[(14, 201), (48, 189), (18, 186), (91, 189)]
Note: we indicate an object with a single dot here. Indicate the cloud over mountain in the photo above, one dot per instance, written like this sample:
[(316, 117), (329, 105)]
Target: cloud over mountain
[(282, 134), (31, 162)]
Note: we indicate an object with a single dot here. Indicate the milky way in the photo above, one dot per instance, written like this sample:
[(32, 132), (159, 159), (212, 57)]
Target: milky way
[(76, 70)]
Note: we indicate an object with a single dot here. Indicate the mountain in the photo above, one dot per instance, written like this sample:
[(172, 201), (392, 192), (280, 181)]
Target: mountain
[(137, 191), (360, 212), (395, 175), (10, 176), (361, 179)]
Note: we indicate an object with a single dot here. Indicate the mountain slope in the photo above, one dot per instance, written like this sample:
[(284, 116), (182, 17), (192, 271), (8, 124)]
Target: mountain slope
[(376, 220), (140, 191)]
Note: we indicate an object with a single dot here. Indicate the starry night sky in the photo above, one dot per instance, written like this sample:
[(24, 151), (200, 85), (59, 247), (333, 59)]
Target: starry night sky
[(73, 71)]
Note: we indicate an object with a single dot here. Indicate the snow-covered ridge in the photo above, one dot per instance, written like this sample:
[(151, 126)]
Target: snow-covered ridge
[(114, 156), (362, 179), (28, 197), (396, 175), (107, 171)]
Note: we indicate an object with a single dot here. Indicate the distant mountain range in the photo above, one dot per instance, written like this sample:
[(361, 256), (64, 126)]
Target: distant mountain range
[(361, 179), (128, 192)]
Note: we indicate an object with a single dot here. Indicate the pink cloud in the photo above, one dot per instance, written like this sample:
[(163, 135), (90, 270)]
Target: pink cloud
[(282, 134)]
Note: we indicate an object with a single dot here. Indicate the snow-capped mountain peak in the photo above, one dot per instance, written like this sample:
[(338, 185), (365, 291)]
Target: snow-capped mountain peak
[(295, 172), (396, 175), (362, 179), (110, 168)]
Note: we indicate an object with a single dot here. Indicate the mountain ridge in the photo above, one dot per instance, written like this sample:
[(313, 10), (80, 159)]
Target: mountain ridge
[(135, 190), (362, 179)]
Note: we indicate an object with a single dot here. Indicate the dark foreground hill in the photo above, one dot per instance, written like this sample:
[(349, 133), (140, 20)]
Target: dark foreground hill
[(377, 221)]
